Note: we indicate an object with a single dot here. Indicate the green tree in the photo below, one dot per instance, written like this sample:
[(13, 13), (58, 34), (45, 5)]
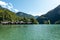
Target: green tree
[(34, 21)]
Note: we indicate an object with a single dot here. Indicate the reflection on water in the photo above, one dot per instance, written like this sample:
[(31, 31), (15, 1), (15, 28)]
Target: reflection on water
[(29, 32)]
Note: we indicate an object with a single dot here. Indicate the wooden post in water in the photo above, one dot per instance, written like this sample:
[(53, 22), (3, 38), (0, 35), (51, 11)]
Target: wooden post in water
[(3, 16), (48, 21)]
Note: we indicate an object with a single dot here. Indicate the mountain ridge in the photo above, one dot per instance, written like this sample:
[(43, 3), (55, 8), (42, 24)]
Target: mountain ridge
[(22, 14), (52, 15)]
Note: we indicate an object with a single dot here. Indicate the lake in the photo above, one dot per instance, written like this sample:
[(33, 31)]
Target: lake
[(29, 32)]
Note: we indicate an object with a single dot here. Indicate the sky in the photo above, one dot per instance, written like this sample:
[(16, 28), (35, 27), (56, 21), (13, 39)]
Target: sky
[(33, 7)]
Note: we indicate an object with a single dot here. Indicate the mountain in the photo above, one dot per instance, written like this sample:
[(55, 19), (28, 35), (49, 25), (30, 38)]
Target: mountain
[(22, 14), (52, 17), (7, 15), (27, 17)]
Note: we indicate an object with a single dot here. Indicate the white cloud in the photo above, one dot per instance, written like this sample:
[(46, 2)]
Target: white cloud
[(16, 10), (3, 3), (8, 5)]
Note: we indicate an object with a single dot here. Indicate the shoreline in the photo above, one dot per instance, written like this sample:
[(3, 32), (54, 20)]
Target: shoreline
[(14, 23)]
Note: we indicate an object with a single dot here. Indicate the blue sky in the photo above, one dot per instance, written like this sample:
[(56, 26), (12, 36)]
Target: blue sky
[(33, 7)]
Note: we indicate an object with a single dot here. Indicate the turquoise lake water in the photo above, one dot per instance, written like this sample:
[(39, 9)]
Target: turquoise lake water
[(29, 32)]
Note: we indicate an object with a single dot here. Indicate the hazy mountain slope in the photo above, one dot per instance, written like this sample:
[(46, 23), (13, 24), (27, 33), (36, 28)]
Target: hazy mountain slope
[(22, 14)]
